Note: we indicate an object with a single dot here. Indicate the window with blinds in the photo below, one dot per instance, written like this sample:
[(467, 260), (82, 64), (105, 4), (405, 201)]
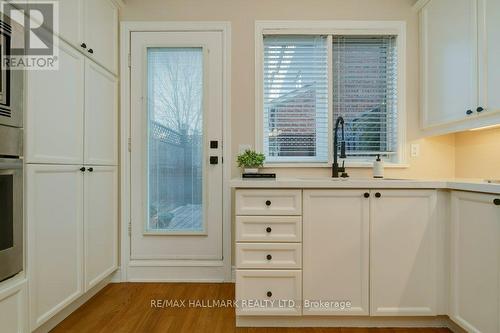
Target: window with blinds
[(365, 93), (295, 98)]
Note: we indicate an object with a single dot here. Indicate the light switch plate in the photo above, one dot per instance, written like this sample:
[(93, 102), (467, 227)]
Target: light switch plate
[(415, 150)]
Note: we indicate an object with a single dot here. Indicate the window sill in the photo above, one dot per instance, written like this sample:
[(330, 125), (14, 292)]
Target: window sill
[(367, 165)]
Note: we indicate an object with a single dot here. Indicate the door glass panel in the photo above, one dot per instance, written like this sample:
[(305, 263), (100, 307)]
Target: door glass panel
[(6, 212), (175, 142)]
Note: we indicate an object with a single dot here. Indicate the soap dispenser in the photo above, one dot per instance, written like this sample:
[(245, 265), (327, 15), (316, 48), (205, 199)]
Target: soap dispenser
[(378, 168)]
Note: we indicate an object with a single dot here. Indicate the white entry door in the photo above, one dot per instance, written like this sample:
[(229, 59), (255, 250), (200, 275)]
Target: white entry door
[(176, 146)]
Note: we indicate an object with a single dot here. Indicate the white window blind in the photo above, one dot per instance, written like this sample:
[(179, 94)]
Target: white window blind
[(365, 93), (295, 96)]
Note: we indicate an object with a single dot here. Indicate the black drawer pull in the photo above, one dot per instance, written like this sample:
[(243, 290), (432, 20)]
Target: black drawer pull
[(91, 51), (496, 202), (469, 112), (268, 203), (480, 109), (83, 45), (269, 257), (91, 169), (269, 294), (268, 229), (378, 195), (367, 195)]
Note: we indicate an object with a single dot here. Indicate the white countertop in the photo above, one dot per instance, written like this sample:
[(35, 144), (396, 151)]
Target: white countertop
[(474, 185)]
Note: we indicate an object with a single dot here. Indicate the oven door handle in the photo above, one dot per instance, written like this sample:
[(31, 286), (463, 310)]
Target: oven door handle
[(11, 163)]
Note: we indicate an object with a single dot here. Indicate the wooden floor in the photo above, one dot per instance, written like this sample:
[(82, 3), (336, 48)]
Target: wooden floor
[(126, 307)]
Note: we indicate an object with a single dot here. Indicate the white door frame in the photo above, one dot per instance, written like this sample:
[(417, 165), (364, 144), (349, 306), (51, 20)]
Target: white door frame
[(217, 271)]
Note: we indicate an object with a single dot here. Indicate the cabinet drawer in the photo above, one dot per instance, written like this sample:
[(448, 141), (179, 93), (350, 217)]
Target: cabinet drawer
[(268, 228), (268, 256), (268, 202), (271, 293)]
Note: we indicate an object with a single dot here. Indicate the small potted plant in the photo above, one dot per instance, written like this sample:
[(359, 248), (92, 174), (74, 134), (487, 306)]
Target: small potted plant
[(251, 161)]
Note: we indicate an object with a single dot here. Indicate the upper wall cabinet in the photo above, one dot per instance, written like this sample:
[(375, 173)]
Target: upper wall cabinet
[(92, 27), (489, 61), (101, 32), (460, 64), (101, 116), (55, 111), (74, 119)]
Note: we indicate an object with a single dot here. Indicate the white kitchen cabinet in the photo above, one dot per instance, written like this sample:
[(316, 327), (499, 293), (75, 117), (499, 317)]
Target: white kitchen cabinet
[(91, 26), (55, 111), (70, 20), (74, 119), (460, 64), (101, 32), (403, 253), (449, 61), (489, 56), (475, 262), (336, 251), (269, 293), (101, 224), (72, 218), (268, 228), (54, 202), (269, 255), (13, 305), (269, 202), (101, 116)]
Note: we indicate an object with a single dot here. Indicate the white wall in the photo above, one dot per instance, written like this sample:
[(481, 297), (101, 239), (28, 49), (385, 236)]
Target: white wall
[(437, 154)]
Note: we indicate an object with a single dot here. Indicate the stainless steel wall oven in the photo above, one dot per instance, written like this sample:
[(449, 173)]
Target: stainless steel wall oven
[(11, 202), (11, 162)]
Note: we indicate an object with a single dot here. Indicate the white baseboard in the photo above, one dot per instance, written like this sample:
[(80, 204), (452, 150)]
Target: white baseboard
[(233, 274), (116, 277), (179, 273), (318, 321)]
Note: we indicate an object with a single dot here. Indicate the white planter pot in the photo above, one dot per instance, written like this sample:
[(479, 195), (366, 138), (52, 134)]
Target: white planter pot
[(251, 170)]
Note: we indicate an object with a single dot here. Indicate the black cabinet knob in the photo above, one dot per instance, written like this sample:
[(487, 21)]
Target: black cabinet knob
[(269, 294), (480, 109), (469, 112), (378, 195), (367, 195), (268, 203), (269, 257), (268, 229), (82, 169), (496, 202), (91, 51), (91, 169), (83, 45)]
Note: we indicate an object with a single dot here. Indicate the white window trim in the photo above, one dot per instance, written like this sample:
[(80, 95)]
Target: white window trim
[(397, 28)]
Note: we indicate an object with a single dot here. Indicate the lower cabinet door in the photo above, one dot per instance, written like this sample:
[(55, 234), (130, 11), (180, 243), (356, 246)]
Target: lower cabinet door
[(475, 262), (101, 222), (54, 202), (403, 253), (13, 306), (268, 293), (335, 252)]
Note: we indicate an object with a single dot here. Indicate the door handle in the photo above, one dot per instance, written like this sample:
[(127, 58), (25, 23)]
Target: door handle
[(214, 160)]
